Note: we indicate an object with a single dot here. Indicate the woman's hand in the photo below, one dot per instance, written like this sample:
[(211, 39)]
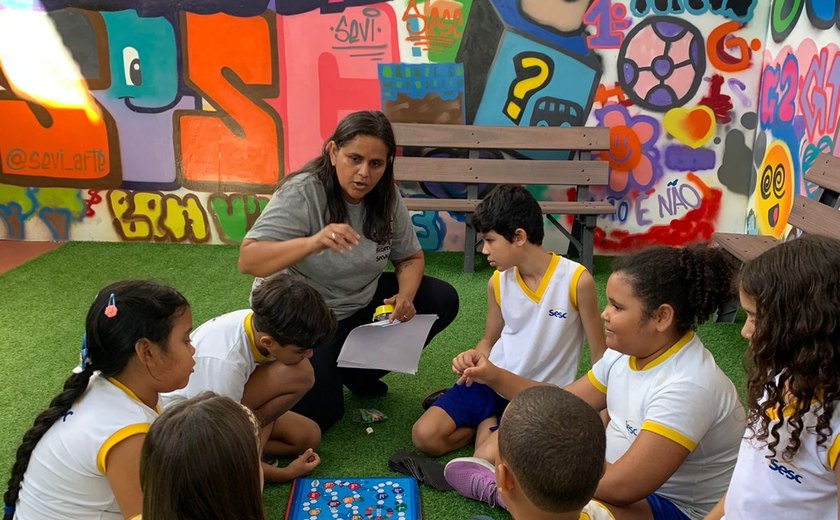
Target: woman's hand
[(338, 237), (403, 308)]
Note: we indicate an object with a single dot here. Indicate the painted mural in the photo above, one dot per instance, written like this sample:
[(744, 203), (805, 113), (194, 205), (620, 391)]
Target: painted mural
[(127, 120), (798, 109)]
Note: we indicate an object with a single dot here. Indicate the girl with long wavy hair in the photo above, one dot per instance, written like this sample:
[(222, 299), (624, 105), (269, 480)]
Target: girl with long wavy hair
[(787, 465)]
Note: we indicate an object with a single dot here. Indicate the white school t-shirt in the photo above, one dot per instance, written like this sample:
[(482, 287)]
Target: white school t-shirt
[(225, 357), (65, 479), (346, 280), (542, 335), (683, 396), (805, 487), (595, 510)]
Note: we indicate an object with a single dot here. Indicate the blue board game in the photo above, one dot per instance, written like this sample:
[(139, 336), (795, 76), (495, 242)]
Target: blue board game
[(377, 498)]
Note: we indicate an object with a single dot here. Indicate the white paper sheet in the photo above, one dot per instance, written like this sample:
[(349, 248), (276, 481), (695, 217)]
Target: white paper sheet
[(388, 346)]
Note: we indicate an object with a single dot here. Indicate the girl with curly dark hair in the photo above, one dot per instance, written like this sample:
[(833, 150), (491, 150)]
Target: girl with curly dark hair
[(788, 458)]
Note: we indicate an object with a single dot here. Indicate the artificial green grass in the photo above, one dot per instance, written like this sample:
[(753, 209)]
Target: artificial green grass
[(42, 319)]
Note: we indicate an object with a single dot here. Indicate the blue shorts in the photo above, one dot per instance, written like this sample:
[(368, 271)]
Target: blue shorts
[(664, 509), (469, 405)]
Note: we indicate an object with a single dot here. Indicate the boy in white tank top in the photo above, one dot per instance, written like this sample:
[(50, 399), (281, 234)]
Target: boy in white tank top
[(540, 306)]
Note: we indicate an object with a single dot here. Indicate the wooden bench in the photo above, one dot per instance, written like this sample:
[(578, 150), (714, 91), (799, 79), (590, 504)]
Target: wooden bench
[(817, 216), (473, 171)]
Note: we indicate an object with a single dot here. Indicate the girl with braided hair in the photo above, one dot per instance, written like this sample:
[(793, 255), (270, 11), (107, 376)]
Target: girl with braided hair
[(81, 458)]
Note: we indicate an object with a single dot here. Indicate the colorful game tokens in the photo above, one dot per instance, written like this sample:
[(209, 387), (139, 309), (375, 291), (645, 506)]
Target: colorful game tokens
[(382, 498)]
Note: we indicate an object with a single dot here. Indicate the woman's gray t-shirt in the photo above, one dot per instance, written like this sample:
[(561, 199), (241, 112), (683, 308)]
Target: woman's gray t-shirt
[(346, 280)]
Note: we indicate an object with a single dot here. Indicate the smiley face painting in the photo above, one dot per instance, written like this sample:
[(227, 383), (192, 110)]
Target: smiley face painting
[(774, 190)]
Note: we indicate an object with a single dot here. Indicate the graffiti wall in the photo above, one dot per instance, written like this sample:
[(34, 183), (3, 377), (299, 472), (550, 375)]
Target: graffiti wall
[(798, 109), (127, 120)]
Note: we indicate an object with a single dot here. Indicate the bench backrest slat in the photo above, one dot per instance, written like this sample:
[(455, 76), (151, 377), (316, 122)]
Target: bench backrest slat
[(814, 218), (825, 172), (500, 171), (501, 137)]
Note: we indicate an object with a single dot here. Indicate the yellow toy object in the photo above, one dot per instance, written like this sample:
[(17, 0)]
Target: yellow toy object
[(774, 190), (383, 312)]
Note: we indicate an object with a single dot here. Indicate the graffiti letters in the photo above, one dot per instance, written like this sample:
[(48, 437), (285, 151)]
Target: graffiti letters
[(721, 41), (609, 22), (820, 94), (779, 85), (738, 10), (784, 15), (234, 214), (154, 216), (240, 143)]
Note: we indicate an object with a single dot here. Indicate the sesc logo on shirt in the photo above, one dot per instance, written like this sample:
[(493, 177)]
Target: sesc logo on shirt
[(557, 313), (788, 472), (383, 251), (631, 428)]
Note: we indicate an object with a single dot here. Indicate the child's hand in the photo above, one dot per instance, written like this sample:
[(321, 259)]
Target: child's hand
[(483, 372), (304, 464), (465, 360)]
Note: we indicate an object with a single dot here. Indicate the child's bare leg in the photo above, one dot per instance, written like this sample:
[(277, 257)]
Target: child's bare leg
[(274, 388), (636, 511), (435, 433), (298, 444), (292, 434), (487, 442)]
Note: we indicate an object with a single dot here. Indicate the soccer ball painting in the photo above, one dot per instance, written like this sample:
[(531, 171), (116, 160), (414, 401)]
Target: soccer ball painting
[(661, 63)]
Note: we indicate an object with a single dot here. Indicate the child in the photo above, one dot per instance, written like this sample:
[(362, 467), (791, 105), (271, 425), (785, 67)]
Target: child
[(539, 305), (181, 481), (561, 481), (675, 419), (80, 458), (260, 357), (787, 466)]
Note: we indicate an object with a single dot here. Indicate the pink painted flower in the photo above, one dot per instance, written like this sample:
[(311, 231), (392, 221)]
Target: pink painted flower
[(634, 160)]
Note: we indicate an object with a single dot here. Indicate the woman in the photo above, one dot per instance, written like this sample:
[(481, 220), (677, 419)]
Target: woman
[(336, 223)]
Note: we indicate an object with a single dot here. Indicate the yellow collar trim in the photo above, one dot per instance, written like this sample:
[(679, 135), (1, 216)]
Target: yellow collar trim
[(688, 336), (129, 392), (259, 357), (537, 296)]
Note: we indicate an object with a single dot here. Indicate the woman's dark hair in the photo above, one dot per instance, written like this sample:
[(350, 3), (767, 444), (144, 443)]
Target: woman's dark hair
[(144, 310), (201, 461), (696, 281), (379, 203), (794, 354)]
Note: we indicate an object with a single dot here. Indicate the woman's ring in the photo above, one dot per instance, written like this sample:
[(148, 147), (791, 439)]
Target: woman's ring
[(332, 236), (405, 316)]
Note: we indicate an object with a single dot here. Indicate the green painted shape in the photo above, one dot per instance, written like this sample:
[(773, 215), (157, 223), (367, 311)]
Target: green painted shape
[(447, 55), (234, 216)]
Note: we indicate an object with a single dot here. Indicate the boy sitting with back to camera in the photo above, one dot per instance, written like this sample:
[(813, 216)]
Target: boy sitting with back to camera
[(539, 307), (559, 481)]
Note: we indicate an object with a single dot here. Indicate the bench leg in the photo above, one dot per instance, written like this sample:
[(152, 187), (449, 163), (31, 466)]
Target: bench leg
[(728, 312), (469, 248), (587, 242)]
